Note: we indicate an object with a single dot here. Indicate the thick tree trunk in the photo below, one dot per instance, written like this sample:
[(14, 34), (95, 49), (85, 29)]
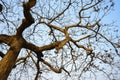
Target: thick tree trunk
[(8, 61)]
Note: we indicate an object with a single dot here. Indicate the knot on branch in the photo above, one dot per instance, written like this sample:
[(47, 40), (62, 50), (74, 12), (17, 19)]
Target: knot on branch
[(62, 43), (89, 52), (39, 55)]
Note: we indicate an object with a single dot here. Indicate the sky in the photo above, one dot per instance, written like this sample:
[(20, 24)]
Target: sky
[(114, 15)]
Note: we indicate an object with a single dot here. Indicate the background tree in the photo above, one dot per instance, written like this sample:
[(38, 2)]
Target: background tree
[(61, 36)]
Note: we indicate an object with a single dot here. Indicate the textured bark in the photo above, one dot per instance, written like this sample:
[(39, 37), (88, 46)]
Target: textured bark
[(9, 60), (7, 63)]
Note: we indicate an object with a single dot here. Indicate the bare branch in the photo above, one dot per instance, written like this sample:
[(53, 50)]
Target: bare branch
[(89, 51), (51, 67), (84, 26), (61, 13), (40, 49), (90, 6), (53, 26), (81, 38), (106, 40)]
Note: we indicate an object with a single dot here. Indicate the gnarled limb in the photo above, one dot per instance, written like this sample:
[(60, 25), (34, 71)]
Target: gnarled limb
[(28, 20)]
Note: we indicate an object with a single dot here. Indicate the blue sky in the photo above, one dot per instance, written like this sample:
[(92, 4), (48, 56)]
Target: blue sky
[(115, 14), (114, 17)]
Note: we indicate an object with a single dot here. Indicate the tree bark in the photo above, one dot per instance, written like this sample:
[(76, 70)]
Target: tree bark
[(9, 60)]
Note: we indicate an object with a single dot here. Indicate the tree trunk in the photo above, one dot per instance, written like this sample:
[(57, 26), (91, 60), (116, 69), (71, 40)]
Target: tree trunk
[(8, 61)]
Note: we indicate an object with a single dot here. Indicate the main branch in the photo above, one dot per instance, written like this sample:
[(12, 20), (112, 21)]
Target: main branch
[(28, 20)]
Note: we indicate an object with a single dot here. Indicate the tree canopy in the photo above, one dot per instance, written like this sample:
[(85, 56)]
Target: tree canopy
[(64, 39)]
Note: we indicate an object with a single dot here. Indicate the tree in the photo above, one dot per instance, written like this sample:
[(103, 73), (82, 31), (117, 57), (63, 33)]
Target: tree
[(63, 36)]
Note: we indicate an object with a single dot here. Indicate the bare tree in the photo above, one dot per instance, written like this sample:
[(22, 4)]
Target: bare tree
[(61, 36)]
